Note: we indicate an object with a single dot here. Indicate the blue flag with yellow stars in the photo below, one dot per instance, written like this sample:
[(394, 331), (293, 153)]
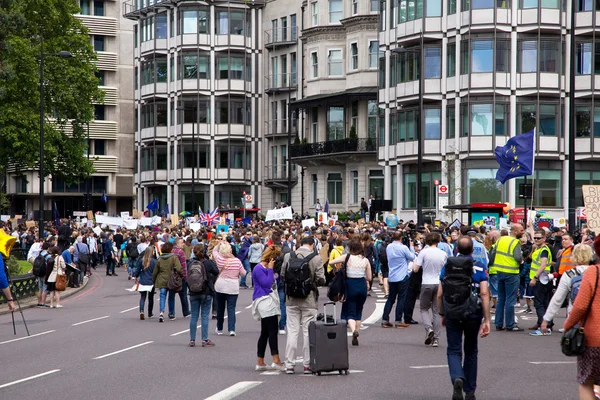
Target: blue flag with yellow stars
[(516, 157)]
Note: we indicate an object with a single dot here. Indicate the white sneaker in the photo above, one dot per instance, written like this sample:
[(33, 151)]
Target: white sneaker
[(561, 330), (261, 368), (231, 333), (219, 332), (278, 367), (58, 306), (282, 331)]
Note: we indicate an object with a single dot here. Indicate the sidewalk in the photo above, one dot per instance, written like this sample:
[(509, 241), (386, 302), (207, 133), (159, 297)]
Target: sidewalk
[(31, 302)]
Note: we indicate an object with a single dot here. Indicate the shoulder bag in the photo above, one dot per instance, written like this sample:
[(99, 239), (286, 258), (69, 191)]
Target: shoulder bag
[(267, 306), (572, 342), (61, 278), (83, 258), (175, 282)]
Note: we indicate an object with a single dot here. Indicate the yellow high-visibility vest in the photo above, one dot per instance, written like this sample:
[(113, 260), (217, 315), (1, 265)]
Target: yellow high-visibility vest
[(505, 260), (536, 261)]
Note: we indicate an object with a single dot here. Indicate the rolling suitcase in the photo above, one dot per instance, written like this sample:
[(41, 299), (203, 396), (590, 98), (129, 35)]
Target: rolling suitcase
[(328, 342)]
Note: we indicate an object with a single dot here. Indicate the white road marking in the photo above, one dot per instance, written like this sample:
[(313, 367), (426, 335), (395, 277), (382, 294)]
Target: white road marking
[(428, 366), (236, 313), (179, 333), (121, 351), (28, 379), (235, 390), (129, 309), (271, 373), (91, 320), (381, 296), (27, 337), (377, 314), (382, 301), (551, 362)]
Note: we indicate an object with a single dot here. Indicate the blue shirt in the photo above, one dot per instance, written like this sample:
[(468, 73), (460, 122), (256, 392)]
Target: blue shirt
[(398, 256), (446, 247), (66, 255), (480, 253)]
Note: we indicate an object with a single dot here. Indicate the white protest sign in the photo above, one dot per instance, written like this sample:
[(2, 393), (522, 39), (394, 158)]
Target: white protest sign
[(322, 218), (308, 223), (195, 226), (101, 219), (560, 222), (280, 213), (125, 215), (146, 221), (97, 230), (156, 220), (489, 221), (503, 223), (131, 224), (4, 218), (79, 213)]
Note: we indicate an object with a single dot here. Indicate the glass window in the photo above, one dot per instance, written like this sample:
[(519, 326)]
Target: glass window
[(381, 72), (161, 68), (147, 159), (583, 59), (354, 115), (464, 57), (550, 4), (193, 66), (584, 5), (451, 122), (481, 119), (313, 185), (464, 123), (528, 56), (354, 7), (85, 7), (549, 56), (99, 112), (336, 11), (314, 57), (597, 55), (433, 62), (354, 187), (481, 4), (528, 117), (393, 131), (314, 126), (193, 20), (381, 130), (353, 56), (597, 121), (482, 56), (99, 147), (408, 67), (294, 27), (374, 53), (99, 8), (374, 6), (428, 194), (482, 186), (451, 60), (501, 118), (373, 111), (99, 41), (334, 61), (196, 110), (432, 123), (434, 8), (502, 56), (547, 188), (548, 120), (334, 188), (161, 26), (294, 67), (101, 77), (529, 3), (411, 125), (582, 124), (237, 23), (335, 123), (314, 6), (452, 7), (230, 67)]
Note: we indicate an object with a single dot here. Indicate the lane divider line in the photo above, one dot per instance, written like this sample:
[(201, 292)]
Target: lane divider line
[(91, 320), (179, 333), (129, 309), (551, 362), (27, 337), (377, 314), (234, 391), (123, 350), (428, 366), (30, 378), (236, 313)]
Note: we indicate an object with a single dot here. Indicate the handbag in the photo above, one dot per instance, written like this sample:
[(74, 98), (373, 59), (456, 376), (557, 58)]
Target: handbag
[(572, 342), (218, 276), (267, 306), (337, 287), (175, 282), (84, 258), (61, 283)]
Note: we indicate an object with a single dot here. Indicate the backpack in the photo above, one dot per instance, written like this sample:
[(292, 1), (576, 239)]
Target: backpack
[(133, 252), (576, 279), (298, 282), (458, 299), (197, 278), (39, 266), (337, 287)]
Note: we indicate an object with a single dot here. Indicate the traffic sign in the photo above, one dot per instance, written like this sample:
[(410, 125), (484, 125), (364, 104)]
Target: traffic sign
[(248, 198), (436, 182), (442, 189)]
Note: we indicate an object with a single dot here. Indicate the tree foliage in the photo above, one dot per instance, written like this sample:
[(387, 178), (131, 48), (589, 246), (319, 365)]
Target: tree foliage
[(70, 86)]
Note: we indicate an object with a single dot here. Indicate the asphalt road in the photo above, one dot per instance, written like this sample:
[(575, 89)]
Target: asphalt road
[(97, 348)]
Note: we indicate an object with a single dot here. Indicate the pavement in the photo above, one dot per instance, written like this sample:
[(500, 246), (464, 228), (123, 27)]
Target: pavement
[(97, 348)]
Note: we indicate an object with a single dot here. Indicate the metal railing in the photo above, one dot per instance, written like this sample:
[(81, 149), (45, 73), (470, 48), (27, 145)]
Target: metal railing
[(287, 34), (280, 172), (367, 145), (281, 81)]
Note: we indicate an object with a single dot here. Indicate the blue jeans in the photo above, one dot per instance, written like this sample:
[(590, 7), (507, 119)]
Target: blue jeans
[(283, 319), (230, 300), (150, 296), (183, 296), (200, 304), (246, 264), (131, 266), (397, 290), (459, 368), (493, 282), (163, 297), (507, 293)]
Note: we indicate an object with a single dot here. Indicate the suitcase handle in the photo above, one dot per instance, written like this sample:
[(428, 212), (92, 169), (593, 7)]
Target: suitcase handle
[(334, 312)]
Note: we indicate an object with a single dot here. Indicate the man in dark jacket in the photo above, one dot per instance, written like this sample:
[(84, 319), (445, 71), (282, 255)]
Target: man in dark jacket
[(107, 248), (243, 256), (132, 255), (383, 261)]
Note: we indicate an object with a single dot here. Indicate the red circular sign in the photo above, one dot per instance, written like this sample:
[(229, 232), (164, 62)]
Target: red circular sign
[(443, 189), (436, 182)]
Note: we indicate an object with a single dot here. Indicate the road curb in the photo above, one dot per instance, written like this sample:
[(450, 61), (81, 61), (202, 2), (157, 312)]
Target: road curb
[(27, 303)]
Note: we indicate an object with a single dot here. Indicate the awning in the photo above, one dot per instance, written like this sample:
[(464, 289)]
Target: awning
[(369, 92)]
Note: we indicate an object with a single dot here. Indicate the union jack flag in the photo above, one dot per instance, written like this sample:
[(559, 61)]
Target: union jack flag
[(211, 218)]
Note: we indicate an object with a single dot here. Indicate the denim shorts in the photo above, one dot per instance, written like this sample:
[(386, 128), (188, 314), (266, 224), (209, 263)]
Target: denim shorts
[(42, 284), (493, 282)]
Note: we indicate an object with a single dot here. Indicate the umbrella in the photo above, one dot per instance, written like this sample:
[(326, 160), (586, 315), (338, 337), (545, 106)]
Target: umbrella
[(185, 213)]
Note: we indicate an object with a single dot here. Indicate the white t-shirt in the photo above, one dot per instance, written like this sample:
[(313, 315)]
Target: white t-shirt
[(431, 260)]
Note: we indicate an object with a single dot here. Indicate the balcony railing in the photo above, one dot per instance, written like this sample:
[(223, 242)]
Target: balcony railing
[(281, 81), (367, 145), (280, 173), (279, 127), (287, 35)]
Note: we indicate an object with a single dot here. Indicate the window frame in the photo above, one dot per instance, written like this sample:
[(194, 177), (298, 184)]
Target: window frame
[(331, 13), (314, 61), (340, 62), (353, 58)]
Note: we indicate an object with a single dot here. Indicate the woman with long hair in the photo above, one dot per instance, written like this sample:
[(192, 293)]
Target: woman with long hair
[(263, 280), (201, 302), (167, 263), (56, 266), (143, 276)]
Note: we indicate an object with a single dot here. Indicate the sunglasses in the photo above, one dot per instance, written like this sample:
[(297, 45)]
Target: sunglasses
[(538, 238)]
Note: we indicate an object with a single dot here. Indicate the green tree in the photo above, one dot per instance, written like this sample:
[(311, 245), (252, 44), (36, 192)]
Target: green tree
[(28, 27)]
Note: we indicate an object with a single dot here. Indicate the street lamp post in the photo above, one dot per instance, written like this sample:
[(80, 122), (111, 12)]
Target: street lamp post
[(572, 130), (195, 153), (403, 50), (61, 54)]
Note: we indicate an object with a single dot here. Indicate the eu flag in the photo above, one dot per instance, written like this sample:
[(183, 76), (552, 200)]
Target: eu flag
[(516, 157), (153, 206)]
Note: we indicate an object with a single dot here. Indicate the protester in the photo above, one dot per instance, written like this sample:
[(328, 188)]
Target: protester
[(143, 275), (398, 258), (55, 266), (201, 301), (167, 264)]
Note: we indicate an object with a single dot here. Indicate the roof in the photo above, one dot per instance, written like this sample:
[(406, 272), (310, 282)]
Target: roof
[(368, 91)]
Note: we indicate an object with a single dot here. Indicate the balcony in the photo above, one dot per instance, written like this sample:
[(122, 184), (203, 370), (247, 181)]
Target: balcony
[(111, 95), (277, 176), (334, 152), (106, 164), (279, 83), (287, 36), (107, 130), (107, 61), (279, 128), (99, 25)]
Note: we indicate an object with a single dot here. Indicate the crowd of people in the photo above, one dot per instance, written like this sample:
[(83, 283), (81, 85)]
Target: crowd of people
[(537, 271)]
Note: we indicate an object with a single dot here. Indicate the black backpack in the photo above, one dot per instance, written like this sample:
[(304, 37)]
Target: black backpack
[(197, 277), (298, 282), (337, 287), (39, 266), (133, 251), (459, 300)]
